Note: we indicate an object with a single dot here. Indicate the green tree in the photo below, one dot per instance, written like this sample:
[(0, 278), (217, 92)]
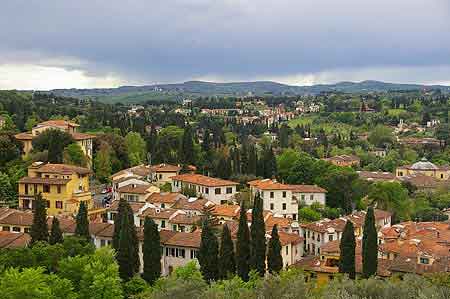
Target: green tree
[(125, 250), (82, 222), (39, 228), (380, 136), (74, 155), (54, 141), (347, 251), (136, 148), (151, 251), (269, 163), (227, 262), (102, 163), (307, 214), (392, 197), (258, 237), (56, 235), (243, 245), (286, 160), (274, 258), (369, 245), (284, 135), (208, 253), (223, 168), (187, 147), (7, 192)]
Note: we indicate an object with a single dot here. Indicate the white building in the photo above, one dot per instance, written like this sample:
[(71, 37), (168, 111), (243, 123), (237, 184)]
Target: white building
[(284, 199), (216, 190)]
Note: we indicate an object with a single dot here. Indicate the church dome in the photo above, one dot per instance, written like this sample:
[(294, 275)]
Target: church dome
[(423, 164)]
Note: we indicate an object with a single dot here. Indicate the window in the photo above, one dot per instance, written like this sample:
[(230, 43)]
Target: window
[(229, 190), (308, 234), (160, 176), (311, 197), (424, 260), (6, 228), (284, 206), (330, 238), (303, 197), (26, 188), (284, 194), (174, 227), (48, 204), (172, 252), (318, 238), (58, 189), (217, 191), (272, 206), (193, 254), (182, 228), (207, 190), (167, 251), (287, 249), (163, 223), (182, 253), (294, 216), (400, 173), (59, 204), (271, 195), (163, 205), (262, 193), (442, 175), (16, 229), (27, 230), (26, 204), (102, 243)]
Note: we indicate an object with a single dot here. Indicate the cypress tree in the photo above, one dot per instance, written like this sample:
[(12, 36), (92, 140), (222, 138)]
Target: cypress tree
[(347, 251), (258, 237), (269, 163), (227, 263), (369, 245), (208, 253), (252, 160), (243, 245), (82, 222), (244, 161), (187, 147), (39, 228), (125, 251), (134, 238), (274, 259), (55, 233), (151, 251), (118, 223)]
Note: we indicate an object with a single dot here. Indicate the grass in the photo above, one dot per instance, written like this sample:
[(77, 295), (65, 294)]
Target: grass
[(396, 112)]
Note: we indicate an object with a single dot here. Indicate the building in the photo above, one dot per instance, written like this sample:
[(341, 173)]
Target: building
[(63, 186), (162, 173), (122, 181), (424, 167), (216, 190), (165, 200), (284, 199), (83, 140), (10, 240), (344, 160), (137, 192), (377, 176)]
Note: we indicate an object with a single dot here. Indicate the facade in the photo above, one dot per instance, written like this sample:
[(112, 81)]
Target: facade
[(284, 199), (137, 192), (162, 173), (344, 160), (216, 190), (423, 167), (63, 186), (83, 140)]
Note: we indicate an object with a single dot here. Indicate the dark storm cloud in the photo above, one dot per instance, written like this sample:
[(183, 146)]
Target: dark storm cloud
[(175, 40)]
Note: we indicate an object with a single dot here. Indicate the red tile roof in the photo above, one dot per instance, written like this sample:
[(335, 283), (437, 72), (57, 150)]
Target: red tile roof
[(14, 240), (165, 197), (198, 179), (59, 168), (135, 189), (165, 168), (268, 184)]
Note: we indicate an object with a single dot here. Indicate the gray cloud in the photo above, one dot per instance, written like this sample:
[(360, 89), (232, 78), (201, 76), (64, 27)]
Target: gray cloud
[(172, 40)]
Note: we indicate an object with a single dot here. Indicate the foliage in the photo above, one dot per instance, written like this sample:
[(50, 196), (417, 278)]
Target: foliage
[(243, 245), (55, 233), (274, 258), (74, 155), (347, 251), (151, 252), (54, 141), (208, 253), (136, 147), (39, 228), (82, 222), (227, 262), (369, 245), (103, 163), (258, 237)]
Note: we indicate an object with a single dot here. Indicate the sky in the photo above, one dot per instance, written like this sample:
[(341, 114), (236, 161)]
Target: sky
[(47, 44)]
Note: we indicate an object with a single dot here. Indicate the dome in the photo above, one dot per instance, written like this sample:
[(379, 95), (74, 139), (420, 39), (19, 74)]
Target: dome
[(423, 165)]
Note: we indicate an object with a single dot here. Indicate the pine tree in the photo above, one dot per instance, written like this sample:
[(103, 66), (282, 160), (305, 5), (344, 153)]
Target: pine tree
[(125, 251), (227, 263), (369, 245), (243, 245), (258, 237), (151, 251), (55, 233), (39, 228), (208, 253), (82, 222), (347, 251), (187, 147), (274, 258)]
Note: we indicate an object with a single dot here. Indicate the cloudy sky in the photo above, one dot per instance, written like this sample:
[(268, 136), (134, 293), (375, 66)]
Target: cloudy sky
[(48, 44)]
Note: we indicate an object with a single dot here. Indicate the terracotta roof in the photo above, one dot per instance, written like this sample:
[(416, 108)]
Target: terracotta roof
[(344, 158), (82, 136), (376, 175), (24, 136), (185, 219), (38, 180), (268, 184), (226, 210), (191, 240), (127, 178), (326, 225), (14, 240), (165, 168), (58, 123), (139, 170), (156, 213), (198, 179), (16, 217), (135, 189), (423, 181), (281, 222), (289, 238), (59, 168), (165, 197), (135, 206), (198, 204), (307, 189)]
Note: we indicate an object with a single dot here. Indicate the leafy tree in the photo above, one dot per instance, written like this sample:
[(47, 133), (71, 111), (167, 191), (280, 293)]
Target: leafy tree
[(134, 287), (102, 163), (82, 222), (284, 135), (258, 237), (208, 253), (136, 148), (54, 141), (369, 245), (390, 196), (347, 251), (151, 251), (7, 192), (269, 163), (223, 168), (274, 258), (189, 191), (380, 136), (56, 235), (243, 245), (74, 155), (227, 262), (10, 147), (285, 161), (307, 214), (39, 228)]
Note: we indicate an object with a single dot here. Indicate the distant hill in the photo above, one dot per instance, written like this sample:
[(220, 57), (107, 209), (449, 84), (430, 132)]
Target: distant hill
[(177, 90)]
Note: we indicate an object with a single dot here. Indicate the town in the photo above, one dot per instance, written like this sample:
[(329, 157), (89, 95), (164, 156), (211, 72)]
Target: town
[(330, 185)]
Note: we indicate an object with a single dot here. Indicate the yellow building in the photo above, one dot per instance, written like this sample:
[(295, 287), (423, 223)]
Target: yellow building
[(63, 186), (83, 140), (423, 167)]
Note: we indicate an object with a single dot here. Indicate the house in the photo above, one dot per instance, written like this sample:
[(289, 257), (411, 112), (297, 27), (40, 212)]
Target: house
[(63, 186), (162, 173), (164, 200), (83, 140), (344, 160), (284, 199), (141, 172), (419, 143), (377, 176), (136, 207), (225, 213), (216, 190), (10, 240), (424, 167), (137, 192), (123, 181)]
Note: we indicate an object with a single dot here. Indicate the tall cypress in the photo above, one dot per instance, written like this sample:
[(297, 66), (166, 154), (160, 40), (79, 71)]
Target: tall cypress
[(252, 160), (347, 251), (269, 163), (151, 251), (208, 253), (369, 245), (134, 238), (243, 245), (121, 210), (258, 237), (274, 258), (187, 147), (82, 222), (55, 232), (227, 262), (39, 227), (125, 251)]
